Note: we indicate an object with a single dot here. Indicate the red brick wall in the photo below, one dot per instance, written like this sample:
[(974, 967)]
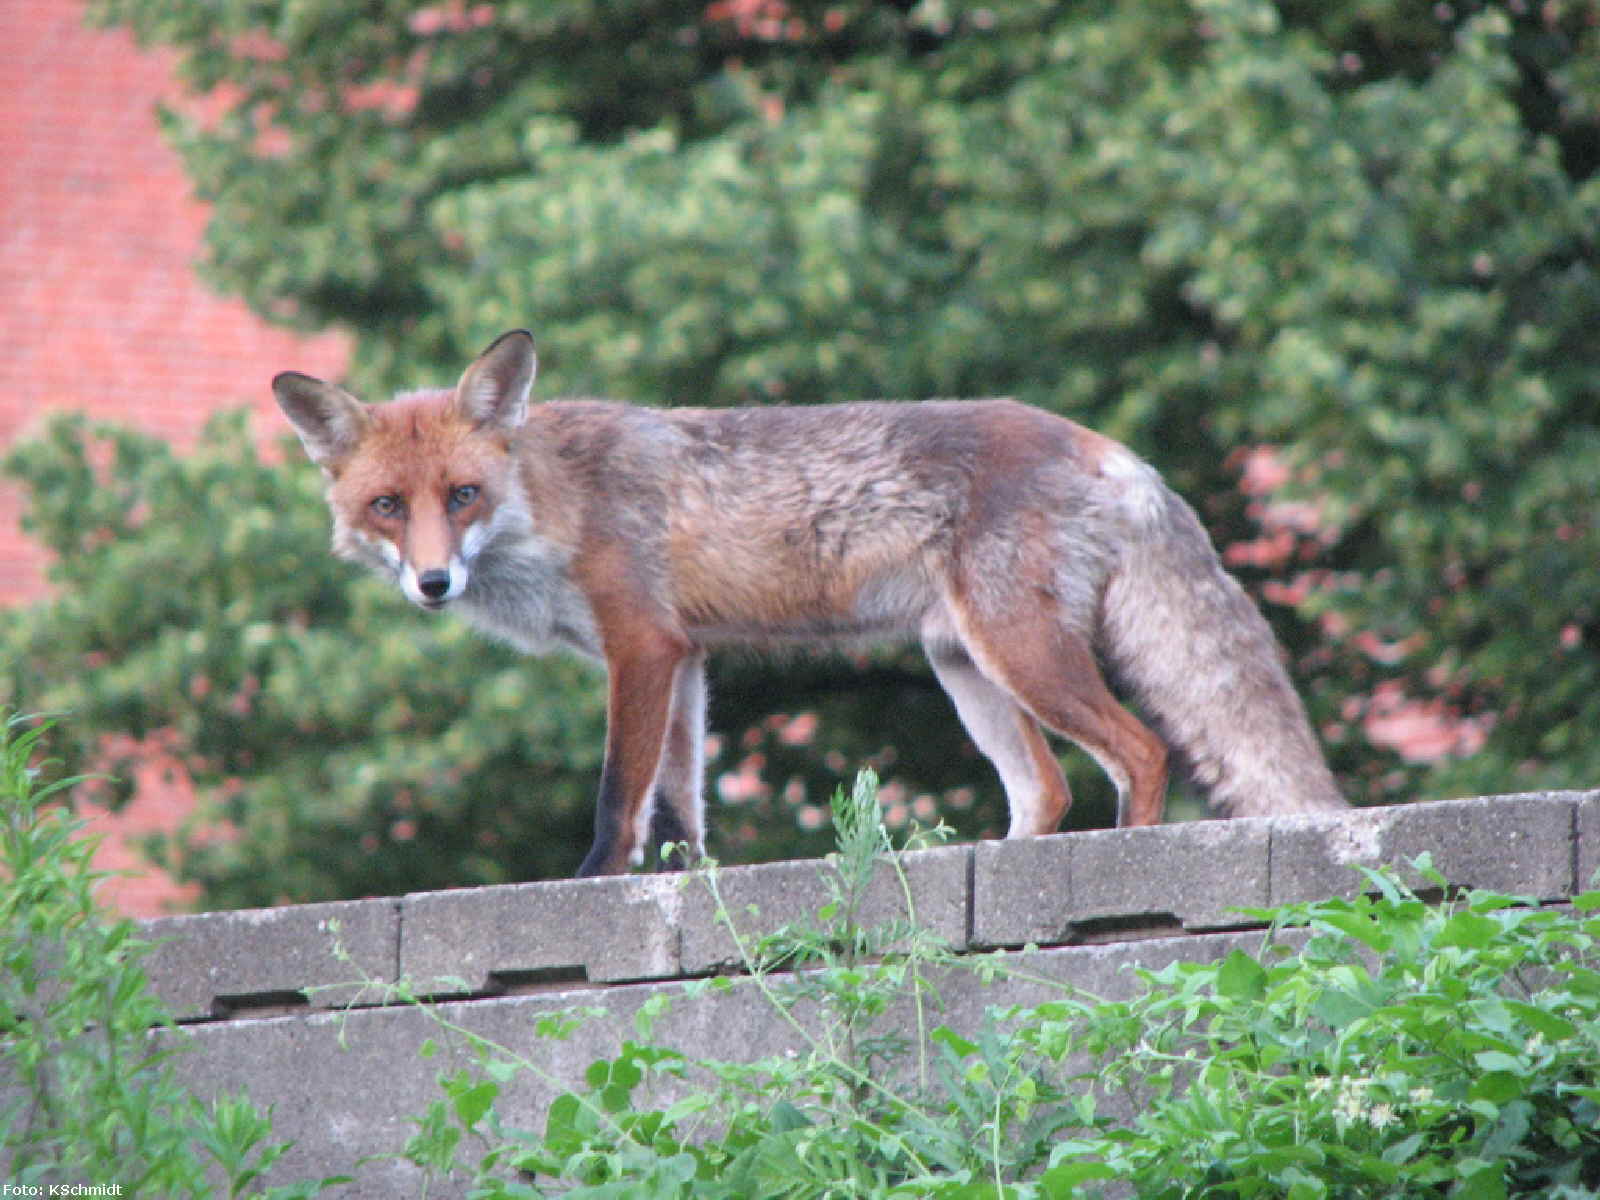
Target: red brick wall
[(100, 309)]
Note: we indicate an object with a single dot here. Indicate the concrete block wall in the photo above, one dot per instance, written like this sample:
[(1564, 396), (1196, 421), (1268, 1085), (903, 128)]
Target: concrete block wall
[(292, 1004)]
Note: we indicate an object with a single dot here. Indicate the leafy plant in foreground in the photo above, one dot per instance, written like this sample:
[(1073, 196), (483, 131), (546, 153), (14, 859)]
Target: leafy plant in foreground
[(87, 1092), (1406, 1049)]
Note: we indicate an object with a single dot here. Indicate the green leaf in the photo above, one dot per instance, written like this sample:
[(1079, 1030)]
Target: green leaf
[(786, 1118), (1400, 1153), (1499, 1061), (1240, 977), (1364, 929), (1064, 1179), (1480, 1181), (1337, 1008), (1551, 1026), (1468, 930), (473, 1102), (960, 1046), (1498, 1087)]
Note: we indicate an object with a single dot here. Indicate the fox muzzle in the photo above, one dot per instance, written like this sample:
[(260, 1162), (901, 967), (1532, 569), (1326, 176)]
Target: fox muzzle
[(434, 585)]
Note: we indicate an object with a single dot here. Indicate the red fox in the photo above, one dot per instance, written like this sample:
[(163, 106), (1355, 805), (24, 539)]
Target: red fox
[(1019, 547)]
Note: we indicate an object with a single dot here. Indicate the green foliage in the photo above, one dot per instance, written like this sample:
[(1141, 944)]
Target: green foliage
[(87, 1093), (1363, 231), (1382, 1046), (1404, 1049)]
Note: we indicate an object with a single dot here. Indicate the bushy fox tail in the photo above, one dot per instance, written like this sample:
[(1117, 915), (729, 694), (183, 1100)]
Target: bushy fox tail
[(1204, 668)]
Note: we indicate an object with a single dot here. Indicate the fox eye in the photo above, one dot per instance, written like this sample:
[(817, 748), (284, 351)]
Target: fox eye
[(386, 506), (463, 495)]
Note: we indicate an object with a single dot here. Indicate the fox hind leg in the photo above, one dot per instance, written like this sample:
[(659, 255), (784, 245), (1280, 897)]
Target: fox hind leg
[(1008, 737), (1051, 672)]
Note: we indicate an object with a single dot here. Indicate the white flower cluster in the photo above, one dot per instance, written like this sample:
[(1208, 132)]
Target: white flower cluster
[(1362, 1099)]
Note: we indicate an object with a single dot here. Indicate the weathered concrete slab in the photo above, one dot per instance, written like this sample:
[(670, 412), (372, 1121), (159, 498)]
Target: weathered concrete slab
[(612, 929), (1102, 970), (1198, 872), (211, 962), (1588, 827), (1052, 890), (1519, 844), (1022, 891), (761, 899)]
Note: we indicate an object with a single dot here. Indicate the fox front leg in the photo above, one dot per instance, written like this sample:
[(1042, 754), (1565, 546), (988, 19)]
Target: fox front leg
[(638, 710)]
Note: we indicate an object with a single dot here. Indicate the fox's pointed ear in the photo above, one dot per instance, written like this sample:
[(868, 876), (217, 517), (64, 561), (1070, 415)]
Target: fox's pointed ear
[(328, 419), (494, 390)]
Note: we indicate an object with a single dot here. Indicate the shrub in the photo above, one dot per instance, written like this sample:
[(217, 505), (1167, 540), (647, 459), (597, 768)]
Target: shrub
[(88, 1095), (1406, 1049)]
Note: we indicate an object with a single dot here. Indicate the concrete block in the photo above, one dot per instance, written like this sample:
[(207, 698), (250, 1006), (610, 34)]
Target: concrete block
[(1022, 891), (1519, 844), (1588, 827), (345, 1086), (610, 929), (1197, 871), (761, 899), (1053, 890), (211, 963)]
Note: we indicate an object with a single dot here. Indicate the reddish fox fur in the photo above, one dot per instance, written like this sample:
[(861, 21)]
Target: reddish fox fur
[(1017, 546)]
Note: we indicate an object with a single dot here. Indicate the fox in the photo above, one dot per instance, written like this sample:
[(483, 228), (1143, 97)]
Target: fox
[(1024, 551)]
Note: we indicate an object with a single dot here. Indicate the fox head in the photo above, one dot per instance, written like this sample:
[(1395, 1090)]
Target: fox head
[(422, 487)]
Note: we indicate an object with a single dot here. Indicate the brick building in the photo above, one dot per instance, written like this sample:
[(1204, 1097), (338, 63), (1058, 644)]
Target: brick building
[(102, 309)]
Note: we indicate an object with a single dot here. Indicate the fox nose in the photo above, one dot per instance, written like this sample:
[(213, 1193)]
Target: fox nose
[(434, 584)]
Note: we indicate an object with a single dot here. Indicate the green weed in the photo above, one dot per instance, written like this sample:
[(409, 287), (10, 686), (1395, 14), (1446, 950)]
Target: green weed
[(87, 1093)]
